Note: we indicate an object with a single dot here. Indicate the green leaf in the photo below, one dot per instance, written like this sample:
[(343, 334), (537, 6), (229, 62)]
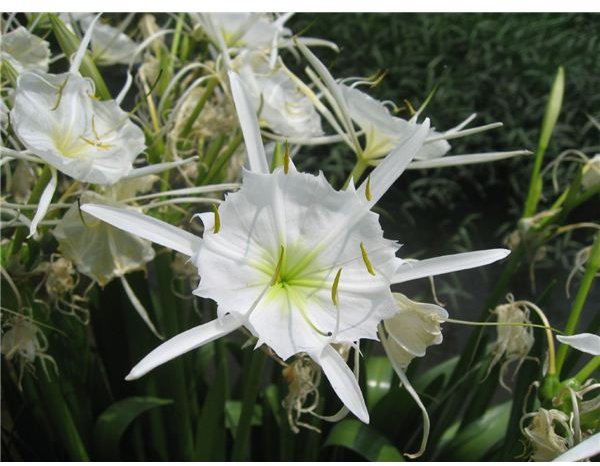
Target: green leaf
[(210, 434), (379, 378), (364, 440), (477, 439), (113, 422), (233, 411)]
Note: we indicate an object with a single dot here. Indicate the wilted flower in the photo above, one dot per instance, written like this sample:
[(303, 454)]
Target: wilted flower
[(60, 280), (303, 377), (24, 342), (514, 336), (300, 265), (24, 51), (549, 433)]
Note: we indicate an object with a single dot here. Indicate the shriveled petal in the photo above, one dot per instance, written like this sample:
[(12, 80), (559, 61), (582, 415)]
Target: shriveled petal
[(584, 450), (447, 264), (254, 147), (343, 382), (585, 342), (147, 227), (184, 342)]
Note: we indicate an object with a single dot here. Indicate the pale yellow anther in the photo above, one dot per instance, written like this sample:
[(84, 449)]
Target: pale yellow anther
[(366, 260), (217, 226), (411, 109), (334, 288)]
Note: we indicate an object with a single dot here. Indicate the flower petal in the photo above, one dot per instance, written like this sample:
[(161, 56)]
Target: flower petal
[(586, 449), (249, 124), (147, 227), (388, 171), (469, 159), (585, 342), (343, 382), (184, 342), (447, 264), (44, 203)]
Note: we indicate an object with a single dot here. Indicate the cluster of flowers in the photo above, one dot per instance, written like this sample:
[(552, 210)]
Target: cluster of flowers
[(304, 267)]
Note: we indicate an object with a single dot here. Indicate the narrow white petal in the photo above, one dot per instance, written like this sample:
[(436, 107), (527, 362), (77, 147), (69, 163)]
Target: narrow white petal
[(343, 382), (586, 449), (447, 264), (249, 124), (388, 171), (139, 307), (426, 423), (157, 168), (146, 227), (184, 342), (453, 160), (83, 45), (44, 203), (585, 342)]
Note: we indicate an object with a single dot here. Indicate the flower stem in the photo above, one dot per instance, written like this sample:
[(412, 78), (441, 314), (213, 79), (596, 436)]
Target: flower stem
[(357, 171), (593, 265), (588, 369), (198, 108)]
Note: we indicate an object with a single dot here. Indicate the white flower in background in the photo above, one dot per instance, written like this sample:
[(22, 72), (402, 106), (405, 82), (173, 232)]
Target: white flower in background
[(99, 250), (243, 30), (413, 328), (24, 51), (58, 118), (591, 173), (382, 131), (282, 106), (300, 265), (109, 45)]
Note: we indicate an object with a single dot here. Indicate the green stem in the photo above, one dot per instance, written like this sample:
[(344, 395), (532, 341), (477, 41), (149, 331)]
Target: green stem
[(218, 165), (60, 416), (550, 118), (34, 198), (357, 171), (249, 395), (587, 370), (593, 265), (198, 108)]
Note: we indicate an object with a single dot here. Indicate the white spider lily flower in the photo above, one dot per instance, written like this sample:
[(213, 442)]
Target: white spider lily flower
[(283, 107), (58, 119), (110, 45), (383, 132), (25, 51), (243, 30), (300, 265)]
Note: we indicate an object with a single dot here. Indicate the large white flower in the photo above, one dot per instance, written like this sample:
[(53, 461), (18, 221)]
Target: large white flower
[(58, 119), (283, 108), (24, 50), (299, 264)]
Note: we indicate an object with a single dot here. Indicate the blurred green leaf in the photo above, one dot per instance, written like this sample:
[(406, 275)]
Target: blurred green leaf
[(113, 422), (364, 440), (379, 374), (233, 411), (210, 433), (478, 438)]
